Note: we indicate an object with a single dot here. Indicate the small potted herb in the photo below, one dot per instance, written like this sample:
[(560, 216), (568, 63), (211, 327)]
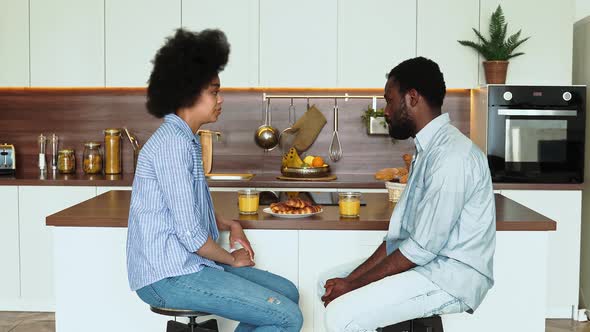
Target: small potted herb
[(374, 121)]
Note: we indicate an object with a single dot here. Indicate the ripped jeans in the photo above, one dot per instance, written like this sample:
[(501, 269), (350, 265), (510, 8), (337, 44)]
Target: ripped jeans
[(259, 300), (388, 301)]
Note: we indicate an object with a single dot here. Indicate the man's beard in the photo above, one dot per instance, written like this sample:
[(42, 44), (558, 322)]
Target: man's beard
[(401, 127)]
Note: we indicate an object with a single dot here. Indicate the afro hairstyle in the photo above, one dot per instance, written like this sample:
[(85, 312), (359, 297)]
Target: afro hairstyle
[(183, 67), (424, 76)]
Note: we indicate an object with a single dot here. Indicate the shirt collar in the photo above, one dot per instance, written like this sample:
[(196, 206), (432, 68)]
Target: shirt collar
[(175, 120), (424, 136)]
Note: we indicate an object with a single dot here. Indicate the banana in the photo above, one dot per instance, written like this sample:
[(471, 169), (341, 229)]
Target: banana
[(292, 159)]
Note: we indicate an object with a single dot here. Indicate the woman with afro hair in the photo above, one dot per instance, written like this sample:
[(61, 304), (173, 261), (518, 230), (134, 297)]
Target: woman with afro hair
[(173, 260)]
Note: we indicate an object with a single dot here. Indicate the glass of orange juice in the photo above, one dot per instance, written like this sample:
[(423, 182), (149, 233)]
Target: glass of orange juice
[(248, 201), (349, 204)]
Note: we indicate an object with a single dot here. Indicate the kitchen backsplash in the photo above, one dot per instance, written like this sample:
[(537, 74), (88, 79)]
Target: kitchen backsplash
[(79, 115)]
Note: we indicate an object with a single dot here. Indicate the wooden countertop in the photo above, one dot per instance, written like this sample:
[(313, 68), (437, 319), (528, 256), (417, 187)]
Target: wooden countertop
[(111, 209), (264, 180)]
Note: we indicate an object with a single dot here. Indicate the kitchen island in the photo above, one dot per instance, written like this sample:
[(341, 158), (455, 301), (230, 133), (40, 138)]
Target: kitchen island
[(91, 278)]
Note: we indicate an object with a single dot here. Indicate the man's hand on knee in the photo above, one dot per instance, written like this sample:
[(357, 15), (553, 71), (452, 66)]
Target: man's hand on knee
[(335, 288)]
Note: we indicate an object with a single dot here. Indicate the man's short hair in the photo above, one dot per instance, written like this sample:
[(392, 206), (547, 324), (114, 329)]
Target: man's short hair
[(424, 76)]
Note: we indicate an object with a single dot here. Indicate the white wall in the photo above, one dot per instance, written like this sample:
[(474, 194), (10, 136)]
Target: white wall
[(582, 9)]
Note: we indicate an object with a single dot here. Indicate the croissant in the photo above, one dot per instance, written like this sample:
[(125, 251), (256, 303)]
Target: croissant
[(297, 203), (389, 174), (280, 208), (283, 208)]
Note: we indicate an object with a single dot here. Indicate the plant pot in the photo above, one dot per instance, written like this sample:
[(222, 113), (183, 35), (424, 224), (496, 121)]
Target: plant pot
[(377, 126), (495, 71)]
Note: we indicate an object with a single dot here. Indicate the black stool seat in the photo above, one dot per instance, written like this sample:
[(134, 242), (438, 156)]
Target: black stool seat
[(174, 326), (426, 324), (178, 312)]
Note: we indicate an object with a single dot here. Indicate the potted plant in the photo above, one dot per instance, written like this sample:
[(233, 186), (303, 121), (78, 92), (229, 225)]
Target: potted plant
[(374, 121), (498, 49)]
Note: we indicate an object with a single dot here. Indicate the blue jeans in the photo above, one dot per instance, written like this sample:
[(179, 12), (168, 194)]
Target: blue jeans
[(259, 300)]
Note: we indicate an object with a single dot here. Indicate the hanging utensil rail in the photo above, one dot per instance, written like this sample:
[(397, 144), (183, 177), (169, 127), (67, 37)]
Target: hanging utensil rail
[(345, 96)]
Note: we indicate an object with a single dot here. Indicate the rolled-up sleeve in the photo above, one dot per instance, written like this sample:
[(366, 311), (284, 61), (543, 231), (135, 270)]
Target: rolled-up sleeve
[(175, 176), (437, 212)]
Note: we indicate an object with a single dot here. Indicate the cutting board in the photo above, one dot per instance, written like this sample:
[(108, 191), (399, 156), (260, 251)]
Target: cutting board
[(325, 178)]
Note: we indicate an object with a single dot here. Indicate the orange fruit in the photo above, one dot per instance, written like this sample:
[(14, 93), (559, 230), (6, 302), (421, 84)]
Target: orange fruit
[(317, 162)]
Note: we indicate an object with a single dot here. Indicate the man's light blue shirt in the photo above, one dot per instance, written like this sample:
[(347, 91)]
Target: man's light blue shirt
[(171, 213), (445, 220)]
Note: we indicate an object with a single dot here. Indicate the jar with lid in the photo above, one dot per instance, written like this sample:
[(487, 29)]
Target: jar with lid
[(92, 158), (66, 161), (112, 151)]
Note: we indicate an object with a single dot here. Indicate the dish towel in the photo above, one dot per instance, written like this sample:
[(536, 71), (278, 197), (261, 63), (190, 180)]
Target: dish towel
[(308, 128)]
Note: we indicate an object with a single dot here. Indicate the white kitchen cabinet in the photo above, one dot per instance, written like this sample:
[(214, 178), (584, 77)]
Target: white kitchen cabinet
[(67, 42), (134, 31), (240, 25), (9, 250), (516, 302), (373, 37), (14, 43), (275, 251), (563, 255), (548, 54), (320, 251), (36, 240), (298, 43), (437, 37)]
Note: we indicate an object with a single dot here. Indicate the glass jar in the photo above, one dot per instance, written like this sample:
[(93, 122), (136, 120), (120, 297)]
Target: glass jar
[(92, 158), (66, 161), (349, 204), (112, 151)]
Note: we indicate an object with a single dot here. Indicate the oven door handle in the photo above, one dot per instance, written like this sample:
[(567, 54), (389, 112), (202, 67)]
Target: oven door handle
[(536, 112)]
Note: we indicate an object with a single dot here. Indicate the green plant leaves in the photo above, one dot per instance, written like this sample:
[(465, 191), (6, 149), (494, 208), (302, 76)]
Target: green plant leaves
[(498, 47)]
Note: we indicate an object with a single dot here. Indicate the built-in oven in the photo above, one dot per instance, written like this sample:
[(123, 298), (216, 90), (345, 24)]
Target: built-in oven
[(531, 134)]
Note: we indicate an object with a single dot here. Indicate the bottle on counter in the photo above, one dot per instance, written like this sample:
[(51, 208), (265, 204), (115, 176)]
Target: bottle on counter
[(66, 161), (112, 151), (92, 160), (42, 163)]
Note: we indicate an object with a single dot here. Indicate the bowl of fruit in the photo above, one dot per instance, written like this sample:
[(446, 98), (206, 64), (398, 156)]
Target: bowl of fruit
[(309, 167)]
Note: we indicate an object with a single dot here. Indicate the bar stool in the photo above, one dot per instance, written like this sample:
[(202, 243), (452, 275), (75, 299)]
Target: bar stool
[(192, 326), (426, 324)]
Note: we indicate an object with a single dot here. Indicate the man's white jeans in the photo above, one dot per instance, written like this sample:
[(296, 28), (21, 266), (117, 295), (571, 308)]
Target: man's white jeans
[(391, 300)]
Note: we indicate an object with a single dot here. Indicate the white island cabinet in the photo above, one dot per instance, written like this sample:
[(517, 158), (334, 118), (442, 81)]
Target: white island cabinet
[(9, 249), (563, 255), (36, 240)]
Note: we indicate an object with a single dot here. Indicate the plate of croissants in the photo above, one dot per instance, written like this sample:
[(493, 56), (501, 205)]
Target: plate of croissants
[(293, 208)]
